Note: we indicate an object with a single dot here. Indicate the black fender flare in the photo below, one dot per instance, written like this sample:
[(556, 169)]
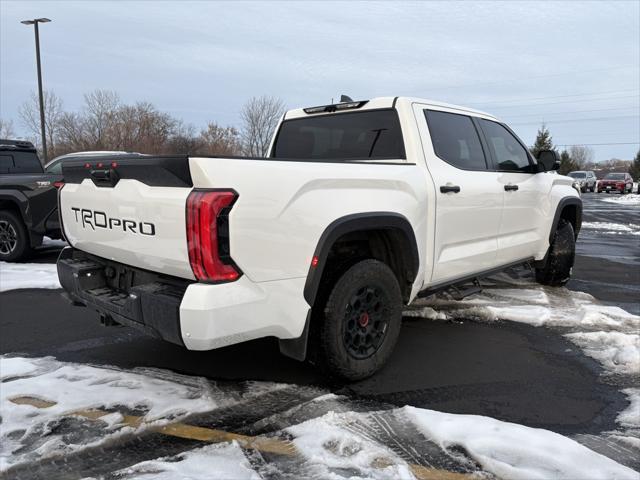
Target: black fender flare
[(353, 223), (20, 202), (564, 202)]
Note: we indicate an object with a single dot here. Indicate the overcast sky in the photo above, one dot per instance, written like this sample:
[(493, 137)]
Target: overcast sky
[(575, 65)]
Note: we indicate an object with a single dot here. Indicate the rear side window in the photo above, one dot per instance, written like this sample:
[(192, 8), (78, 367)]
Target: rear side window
[(26, 162), (508, 152), (455, 140), (372, 134), (6, 163)]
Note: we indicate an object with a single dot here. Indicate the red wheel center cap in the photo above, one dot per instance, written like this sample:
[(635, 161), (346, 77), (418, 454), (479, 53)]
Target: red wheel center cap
[(364, 319)]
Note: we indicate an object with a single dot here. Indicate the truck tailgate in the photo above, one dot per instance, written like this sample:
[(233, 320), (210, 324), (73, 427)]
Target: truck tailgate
[(131, 211)]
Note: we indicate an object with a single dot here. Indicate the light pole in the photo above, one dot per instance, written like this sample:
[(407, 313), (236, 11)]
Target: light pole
[(35, 23)]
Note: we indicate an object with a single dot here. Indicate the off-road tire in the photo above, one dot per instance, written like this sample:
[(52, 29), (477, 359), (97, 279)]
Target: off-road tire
[(557, 270), (14, 238), (368, 289)]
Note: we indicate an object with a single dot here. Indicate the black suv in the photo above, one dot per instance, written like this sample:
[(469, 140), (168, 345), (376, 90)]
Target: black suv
[(28, 200)]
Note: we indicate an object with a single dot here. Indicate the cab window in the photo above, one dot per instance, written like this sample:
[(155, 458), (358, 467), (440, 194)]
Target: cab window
[(455, 140), (508, 152), (56, 168)]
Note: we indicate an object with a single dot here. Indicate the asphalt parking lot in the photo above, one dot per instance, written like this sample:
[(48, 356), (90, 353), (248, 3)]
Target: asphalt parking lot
[(506, 370)]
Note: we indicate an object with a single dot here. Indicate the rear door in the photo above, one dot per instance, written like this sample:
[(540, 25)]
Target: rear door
[(526, 194), (469, 197)]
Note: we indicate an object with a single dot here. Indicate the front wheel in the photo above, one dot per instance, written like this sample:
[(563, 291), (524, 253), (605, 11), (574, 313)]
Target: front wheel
[(14, 238), (557, 269), (361, 320)]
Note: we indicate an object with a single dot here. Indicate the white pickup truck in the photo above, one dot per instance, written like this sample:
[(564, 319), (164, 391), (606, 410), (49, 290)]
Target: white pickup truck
[(359, 208)]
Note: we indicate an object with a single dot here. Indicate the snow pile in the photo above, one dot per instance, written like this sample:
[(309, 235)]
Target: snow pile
[(28, 275), (609, 228), (514, 451), (73, 388), (629, 199), (16, 367), (51, 243), (224, 460), (327, 444), (630, 417), (609, 334)]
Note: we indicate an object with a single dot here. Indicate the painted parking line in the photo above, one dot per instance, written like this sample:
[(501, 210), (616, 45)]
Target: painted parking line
[(212, 435)]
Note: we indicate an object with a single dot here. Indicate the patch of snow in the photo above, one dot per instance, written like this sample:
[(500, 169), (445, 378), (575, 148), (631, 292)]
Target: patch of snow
[(225, 460), (28, 275), (76, 388), (630, 417), (631, 228), (514, 451), (618, 352), (629, 199), (327, 444), (51, 243), (426, 312), (15, 367)]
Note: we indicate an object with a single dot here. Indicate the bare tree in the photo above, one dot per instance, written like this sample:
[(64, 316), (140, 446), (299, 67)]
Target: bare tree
[(6, 129), (260, 116), (100, 111), (581, 155), (30, 114), (219, 140)]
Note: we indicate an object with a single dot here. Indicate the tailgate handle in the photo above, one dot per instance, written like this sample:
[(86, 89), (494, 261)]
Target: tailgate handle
[(104, 177)]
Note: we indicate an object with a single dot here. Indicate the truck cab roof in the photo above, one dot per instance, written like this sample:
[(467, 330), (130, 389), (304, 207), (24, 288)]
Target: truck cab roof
[(377, 103), (16, 145)]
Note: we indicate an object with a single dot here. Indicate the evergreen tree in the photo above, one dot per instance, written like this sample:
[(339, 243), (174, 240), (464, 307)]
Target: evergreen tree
[(567, 164), (634, 169), (543, 141)]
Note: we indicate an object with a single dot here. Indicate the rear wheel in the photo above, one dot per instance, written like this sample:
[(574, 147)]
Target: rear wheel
[(360, 322), (14, 238), (557, 270)]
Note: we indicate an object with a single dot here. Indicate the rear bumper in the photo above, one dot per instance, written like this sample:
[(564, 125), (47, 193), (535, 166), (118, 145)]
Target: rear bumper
[(196, 315), (133, 297)]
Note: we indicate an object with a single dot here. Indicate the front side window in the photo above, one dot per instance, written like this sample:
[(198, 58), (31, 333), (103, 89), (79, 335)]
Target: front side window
[(373, 134), (508, 152), (455, 140)]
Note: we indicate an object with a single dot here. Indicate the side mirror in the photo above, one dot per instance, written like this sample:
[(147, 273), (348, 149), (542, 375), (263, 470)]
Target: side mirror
[(548, 160)]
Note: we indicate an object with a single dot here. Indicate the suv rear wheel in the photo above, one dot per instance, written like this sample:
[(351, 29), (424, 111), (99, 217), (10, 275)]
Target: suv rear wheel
[(360, 322), (14, 239), (557, 270)]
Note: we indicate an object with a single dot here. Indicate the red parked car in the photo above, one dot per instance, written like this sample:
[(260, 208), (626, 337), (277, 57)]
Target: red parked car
[(616, 182)]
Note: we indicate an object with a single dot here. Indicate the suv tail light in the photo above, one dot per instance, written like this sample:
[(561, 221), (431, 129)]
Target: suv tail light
[(208, 235)]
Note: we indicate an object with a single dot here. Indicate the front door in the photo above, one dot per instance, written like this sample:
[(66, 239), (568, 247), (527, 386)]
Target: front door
[(526, 195)]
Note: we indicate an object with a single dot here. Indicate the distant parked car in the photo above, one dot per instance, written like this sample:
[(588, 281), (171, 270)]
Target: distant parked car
[(55, 165), (616, 182), (586, 179)]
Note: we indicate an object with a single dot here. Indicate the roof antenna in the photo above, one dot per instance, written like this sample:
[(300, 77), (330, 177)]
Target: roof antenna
[(345, 98)]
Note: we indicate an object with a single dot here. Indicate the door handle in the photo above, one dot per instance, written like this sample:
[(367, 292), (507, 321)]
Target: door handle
[(511, 188), (449, 189)]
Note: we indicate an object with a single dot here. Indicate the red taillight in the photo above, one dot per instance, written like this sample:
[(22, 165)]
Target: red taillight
[(208, 235), (59, 184)]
